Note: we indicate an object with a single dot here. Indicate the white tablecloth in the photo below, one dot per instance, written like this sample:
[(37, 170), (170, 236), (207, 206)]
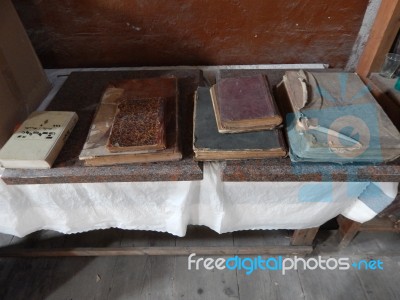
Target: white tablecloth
[(171, 206)]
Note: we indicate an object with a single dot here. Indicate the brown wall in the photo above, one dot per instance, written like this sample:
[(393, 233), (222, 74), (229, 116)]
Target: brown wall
[(91, 33)]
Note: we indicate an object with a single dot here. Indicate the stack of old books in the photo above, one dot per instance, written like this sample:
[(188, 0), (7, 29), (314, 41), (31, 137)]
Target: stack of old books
[(136, 121), (237, 119), (333, 117)]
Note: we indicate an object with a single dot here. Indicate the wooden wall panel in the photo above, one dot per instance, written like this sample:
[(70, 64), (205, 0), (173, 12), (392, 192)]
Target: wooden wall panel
[(381, 38), (77, 33)]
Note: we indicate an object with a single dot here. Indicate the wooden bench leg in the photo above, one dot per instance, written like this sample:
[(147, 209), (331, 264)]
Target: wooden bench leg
[(304, 237), (348, 229)]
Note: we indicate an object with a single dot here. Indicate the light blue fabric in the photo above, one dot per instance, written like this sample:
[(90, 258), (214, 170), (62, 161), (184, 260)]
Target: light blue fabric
[(316, 192), (374, 198), (323, 192)]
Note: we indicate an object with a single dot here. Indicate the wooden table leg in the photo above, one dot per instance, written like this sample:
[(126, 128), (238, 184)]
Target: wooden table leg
[(348, 229), (304, 237)]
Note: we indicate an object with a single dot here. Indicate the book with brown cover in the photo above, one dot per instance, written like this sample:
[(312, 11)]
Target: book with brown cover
[(138, 125), (243, 104), (165, 92), (209, 144)]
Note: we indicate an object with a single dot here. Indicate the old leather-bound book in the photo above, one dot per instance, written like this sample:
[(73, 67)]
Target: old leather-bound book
[(138, 125), (244, 104), (209, 144), (133, 140)]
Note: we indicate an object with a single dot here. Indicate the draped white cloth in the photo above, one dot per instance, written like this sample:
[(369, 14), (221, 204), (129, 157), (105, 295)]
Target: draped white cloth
[(171, 206)]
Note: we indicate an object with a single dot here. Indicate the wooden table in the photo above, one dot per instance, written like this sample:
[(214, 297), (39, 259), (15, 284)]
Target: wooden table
[(81, 93)]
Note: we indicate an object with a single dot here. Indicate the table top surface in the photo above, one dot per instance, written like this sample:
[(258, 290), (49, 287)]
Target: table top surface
[(81, 93)]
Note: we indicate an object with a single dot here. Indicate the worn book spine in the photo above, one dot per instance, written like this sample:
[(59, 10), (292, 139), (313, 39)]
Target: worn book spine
[(61, 142)]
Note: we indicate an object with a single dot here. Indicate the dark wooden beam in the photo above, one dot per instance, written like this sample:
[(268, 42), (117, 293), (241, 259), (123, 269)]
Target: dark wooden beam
[(304, 237), (348, 229)]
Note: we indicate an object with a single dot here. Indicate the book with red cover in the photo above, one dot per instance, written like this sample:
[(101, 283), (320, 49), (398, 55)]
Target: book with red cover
[(209, 144), (243, 104)]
